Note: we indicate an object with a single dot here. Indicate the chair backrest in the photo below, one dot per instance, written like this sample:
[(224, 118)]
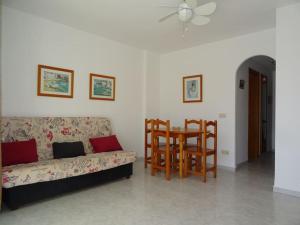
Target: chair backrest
[(147, 129), (194, 123), (148, 125), (162, 129), (210, 131), (198, 124)]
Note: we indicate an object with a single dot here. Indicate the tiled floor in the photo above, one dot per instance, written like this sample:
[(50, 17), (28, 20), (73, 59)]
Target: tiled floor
[(241, 198)]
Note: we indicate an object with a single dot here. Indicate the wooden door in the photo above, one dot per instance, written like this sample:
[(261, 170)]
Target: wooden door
[(0, 174), (254, 123), (264, 113)]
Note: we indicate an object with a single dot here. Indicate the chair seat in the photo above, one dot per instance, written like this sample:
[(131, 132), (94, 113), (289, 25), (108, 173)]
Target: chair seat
[(191, 147), (160, 144), (148, 159), (164, 144), (193, 152), (162, 151), (172, 147)]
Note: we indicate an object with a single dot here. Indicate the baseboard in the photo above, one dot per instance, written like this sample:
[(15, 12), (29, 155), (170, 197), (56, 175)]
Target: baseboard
[(227, 168), (286, 191), (241, 164), (139, 158)]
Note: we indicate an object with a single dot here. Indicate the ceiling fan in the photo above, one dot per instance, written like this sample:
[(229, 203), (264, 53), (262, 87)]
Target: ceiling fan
[(189, 11)]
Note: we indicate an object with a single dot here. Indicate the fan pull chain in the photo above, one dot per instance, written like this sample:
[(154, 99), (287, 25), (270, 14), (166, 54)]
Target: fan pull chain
[(185, 29)]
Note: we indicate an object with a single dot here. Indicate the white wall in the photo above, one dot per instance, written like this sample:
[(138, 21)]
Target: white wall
[(274, 110), (0, 67), (242, 103), (287, 154), (218, 62), (28, 41), (151, 84)]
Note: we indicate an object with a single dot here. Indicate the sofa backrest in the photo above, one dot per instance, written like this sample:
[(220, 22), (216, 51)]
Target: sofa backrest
[(47, 130)]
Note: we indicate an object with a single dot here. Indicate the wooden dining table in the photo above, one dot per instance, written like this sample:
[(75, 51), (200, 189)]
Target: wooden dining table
[(181, 134)]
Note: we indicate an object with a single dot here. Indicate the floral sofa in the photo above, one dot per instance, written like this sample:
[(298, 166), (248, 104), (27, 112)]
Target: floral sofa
[(25, 183)]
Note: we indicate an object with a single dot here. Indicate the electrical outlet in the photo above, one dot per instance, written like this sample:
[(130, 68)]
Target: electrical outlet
[(222, 115), (225, 152)]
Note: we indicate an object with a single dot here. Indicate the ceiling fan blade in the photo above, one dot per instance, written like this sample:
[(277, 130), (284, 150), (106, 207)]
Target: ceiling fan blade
[(191, 3), (167, 16), (206, 9), (200, 20)]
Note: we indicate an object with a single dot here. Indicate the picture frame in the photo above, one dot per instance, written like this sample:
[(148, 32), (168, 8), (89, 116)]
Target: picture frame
[(192, 89), (55, 82), (102, 87)]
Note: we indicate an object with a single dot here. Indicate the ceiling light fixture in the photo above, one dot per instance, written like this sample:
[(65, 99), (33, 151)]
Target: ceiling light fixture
[(188, 11)]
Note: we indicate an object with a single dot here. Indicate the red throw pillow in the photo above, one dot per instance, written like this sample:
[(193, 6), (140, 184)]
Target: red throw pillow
[(105, 144), (19, 152)]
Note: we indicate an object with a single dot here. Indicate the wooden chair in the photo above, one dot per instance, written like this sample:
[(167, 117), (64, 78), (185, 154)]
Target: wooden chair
[(147, 147), (147, 144), (160, 151), (193, 152), (210, 151)]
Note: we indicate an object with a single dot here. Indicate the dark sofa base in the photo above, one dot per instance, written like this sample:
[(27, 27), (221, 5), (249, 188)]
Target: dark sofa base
[(17, 196)]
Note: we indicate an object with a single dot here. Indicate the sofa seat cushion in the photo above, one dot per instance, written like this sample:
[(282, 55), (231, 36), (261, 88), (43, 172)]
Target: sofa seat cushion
[(55, 169)]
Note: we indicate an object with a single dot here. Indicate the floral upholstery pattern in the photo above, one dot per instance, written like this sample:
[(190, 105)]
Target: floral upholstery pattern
[(55, 169), (47, 130)]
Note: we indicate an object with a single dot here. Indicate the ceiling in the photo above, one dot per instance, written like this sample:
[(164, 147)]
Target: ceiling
[(135, 22)]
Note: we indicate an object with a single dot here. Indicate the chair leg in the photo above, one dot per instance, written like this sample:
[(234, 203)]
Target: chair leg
[(173, 161), (190, 163), (174, 142), (168, 166), (146, 158), (204, 169), (176, 160), (215, 164), (185, 171), (159, 159), (198, 164), (153, 163)]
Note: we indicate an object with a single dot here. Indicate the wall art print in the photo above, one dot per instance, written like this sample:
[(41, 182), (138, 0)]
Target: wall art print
[(102, 87), (192, 89), (55, 82)]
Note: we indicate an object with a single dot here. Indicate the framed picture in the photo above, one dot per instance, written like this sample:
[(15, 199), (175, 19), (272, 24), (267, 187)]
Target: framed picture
[(102, 87), (192, 89), (55, 82)]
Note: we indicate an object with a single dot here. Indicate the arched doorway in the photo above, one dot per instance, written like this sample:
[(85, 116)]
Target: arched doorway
[(255, 110)]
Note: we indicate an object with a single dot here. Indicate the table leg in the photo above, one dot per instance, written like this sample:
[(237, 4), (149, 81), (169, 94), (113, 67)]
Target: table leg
[(180, 156)]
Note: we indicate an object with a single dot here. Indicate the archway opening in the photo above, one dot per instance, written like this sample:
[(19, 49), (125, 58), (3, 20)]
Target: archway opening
[(255, 112)]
